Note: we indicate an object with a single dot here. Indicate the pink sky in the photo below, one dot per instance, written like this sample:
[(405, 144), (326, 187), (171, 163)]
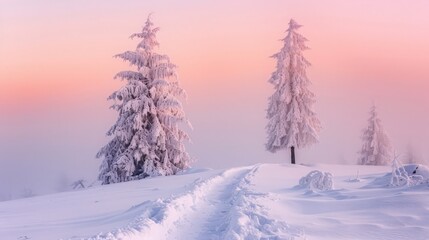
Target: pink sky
[(56, 70)]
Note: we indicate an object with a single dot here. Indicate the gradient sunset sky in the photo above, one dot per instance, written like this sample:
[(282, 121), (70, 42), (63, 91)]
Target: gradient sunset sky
[(56, 71)]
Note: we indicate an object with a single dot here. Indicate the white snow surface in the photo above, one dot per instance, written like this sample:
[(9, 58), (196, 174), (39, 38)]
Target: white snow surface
[(263, 201)]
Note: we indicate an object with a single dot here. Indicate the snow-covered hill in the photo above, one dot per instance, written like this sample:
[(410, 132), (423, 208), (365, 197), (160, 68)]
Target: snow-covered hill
[(256, 202)]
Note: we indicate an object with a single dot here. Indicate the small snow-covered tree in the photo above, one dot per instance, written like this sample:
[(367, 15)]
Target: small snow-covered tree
[(146, 138), (291, 119), (376, 148), (401, 177), (78, 184)]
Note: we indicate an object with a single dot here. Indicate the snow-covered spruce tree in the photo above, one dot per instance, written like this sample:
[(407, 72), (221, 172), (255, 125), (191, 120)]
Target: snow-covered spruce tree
[(376, 148), (146, 138), (291, 120)]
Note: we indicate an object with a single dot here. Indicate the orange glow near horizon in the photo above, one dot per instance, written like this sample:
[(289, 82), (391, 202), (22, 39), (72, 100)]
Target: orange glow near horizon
[(57, 68)]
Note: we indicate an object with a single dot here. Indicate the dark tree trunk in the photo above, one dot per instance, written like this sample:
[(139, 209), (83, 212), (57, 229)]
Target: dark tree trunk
[(292, 155)]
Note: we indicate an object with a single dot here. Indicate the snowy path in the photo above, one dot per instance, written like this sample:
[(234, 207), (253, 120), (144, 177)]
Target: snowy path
[(221, 207), (202, 213), (260, 202), (209, 217)]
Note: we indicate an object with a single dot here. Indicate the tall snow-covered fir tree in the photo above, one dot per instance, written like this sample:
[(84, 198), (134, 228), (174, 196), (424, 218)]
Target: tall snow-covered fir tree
[(291, 119), (376, 148), (146, 138)]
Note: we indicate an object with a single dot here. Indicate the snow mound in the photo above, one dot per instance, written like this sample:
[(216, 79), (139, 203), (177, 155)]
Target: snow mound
[(250, 219), (262, 202), (317, 181), (407, 175), (221, 207), (417, 169), (159, 217)]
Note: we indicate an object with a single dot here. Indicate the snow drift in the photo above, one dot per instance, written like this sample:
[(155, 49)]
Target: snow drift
[(254, 202), (317, 181)]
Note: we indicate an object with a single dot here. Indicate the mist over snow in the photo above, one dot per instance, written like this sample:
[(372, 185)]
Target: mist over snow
[(56, 71), (92, 147)]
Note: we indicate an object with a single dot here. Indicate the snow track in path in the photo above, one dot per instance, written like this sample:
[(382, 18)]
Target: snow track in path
[(221, 207), (209, 218), (250, 219)]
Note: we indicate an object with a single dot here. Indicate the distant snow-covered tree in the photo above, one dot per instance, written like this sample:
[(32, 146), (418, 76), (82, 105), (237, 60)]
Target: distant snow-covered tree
[(78, 184), (147, 140), (376, 148), (291, 119)]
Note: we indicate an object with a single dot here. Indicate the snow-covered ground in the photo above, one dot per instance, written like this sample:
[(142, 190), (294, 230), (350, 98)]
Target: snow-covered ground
[(255, 202)]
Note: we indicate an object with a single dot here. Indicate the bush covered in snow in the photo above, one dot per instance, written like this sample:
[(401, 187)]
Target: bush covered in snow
[(408, 175), (317, 180)]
